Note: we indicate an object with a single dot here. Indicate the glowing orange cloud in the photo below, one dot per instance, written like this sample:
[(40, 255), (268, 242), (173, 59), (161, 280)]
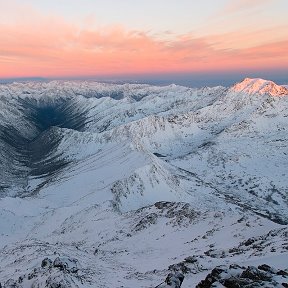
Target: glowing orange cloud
[(54, 48)]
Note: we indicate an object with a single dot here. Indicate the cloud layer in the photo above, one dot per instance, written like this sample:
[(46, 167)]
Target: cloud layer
[(48, 46)]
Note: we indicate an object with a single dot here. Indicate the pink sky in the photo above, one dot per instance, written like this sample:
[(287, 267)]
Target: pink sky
[(40, 41)]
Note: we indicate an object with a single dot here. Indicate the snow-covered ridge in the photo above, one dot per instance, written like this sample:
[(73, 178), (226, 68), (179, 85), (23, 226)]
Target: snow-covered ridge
[(48, 128), (125, 183), (260, 86)]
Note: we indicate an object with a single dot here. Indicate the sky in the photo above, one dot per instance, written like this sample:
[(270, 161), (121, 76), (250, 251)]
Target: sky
[(159, 40)]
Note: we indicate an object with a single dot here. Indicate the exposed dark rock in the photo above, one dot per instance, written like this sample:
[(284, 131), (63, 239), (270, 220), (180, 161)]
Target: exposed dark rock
[(177, 214), (20, 280), (52, 282), (12, 284), (60, 273), (282, 273), (146, 221), (179, 211), (235, 283), (189, 265), (241, 277), (255, 274), (267, 268), (249, 241), (236, 266), (33, 274), (212, 277), (191, 259), (66, 264), (58, 263), (173, 280), (159, 155), (180, 267), (46, 263)]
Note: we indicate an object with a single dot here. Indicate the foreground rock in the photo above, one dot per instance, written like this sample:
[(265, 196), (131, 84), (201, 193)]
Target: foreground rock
[(236, 276), (173, 280), (63, 272)]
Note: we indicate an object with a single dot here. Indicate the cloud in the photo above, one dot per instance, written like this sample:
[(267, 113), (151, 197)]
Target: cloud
[(235, 6), (245, 38), (53, 47)]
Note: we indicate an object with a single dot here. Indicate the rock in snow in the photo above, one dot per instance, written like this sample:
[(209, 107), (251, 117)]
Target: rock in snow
[(172, 281), (236, 276)]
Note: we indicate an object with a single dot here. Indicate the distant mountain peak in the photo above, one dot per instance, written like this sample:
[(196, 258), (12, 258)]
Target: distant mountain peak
[(260, 86)]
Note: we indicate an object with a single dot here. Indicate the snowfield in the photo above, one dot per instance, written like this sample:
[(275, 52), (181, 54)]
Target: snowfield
[(107, 185)]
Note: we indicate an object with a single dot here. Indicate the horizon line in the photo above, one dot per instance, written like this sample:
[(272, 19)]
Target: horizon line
[(182, 78)]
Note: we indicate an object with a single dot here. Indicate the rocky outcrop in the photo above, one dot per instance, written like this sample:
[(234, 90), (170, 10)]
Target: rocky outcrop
[(236, 276), (177, 214), (173, 280), (60, 273)]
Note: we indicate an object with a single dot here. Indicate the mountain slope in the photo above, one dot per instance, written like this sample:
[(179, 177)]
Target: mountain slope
[(136, 178), (260, 86)]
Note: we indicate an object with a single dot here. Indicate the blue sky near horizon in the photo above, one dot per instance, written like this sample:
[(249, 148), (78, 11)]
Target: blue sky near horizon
[(189, 80)]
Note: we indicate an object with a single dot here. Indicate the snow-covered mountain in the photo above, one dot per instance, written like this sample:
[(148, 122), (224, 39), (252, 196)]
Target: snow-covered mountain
[(121, 183), (260, 86)]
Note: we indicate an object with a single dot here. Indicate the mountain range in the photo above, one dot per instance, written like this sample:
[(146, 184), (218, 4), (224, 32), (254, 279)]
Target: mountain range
[(116, 185)]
